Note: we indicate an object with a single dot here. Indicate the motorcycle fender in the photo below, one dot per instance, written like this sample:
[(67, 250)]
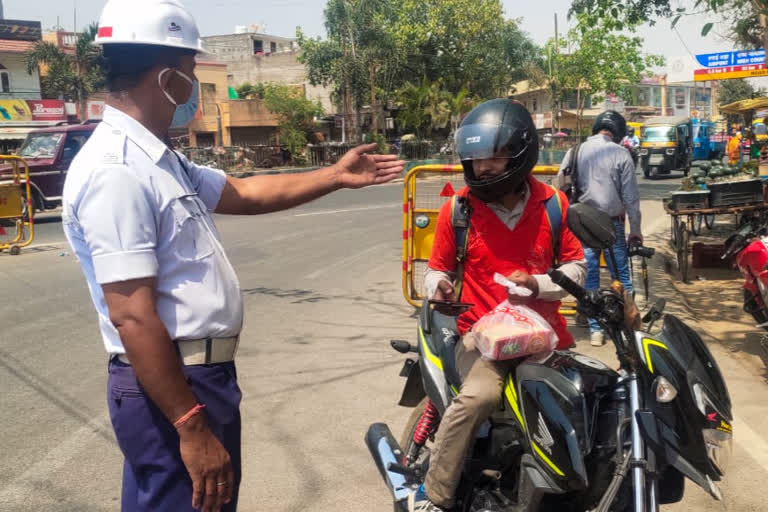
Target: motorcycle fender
[(413, 392)]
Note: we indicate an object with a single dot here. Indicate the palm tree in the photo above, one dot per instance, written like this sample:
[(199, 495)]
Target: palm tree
[(70, 77)]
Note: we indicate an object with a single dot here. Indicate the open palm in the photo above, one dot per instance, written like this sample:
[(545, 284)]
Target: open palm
[(358, 168)]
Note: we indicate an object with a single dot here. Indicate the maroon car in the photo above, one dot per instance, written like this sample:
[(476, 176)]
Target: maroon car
[(49, 152)]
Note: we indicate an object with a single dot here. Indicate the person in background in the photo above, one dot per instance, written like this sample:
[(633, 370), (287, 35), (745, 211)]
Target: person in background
[(606, 180)]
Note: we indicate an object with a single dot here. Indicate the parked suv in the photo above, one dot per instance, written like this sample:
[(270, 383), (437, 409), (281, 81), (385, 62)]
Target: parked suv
[(49, 152)]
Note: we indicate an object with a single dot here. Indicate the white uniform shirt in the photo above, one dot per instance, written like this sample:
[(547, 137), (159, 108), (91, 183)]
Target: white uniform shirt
[(132, 211)]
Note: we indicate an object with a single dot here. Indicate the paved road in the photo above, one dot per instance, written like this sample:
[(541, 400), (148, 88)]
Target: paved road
[(322, 299)]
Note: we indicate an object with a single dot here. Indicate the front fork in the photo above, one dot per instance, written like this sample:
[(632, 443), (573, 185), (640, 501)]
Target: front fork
[(645, 489)]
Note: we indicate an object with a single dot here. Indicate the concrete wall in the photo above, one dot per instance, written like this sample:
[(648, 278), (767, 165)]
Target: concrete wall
[(24, 86), (250, 113), (281, 67)]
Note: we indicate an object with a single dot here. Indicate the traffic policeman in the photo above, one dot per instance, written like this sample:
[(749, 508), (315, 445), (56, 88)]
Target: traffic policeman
[(139, 218)]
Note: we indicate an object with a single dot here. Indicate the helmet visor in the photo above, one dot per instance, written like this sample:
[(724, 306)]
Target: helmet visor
[(481, 141)]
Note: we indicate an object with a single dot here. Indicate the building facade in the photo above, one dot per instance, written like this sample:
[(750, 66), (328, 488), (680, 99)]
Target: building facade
[(255, 57), (222, 121), (688, 99)]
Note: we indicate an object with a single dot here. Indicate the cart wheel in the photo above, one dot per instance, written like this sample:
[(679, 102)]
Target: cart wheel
[(683, 239), (14, 250), (695, 222), (709, 221)]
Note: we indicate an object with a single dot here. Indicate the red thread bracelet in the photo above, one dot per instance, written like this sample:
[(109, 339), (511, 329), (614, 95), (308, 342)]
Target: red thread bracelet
[(193, 411)]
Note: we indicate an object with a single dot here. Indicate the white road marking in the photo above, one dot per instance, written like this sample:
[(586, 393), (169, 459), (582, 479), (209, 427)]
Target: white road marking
[(752, 442), (345, 261), (346, 210)]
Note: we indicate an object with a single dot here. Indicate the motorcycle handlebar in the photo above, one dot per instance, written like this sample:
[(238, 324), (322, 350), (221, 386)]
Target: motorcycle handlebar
[(567, 284), (640, 250)]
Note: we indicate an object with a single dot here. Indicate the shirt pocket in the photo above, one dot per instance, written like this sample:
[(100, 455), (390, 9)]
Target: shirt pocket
[(192, 240)]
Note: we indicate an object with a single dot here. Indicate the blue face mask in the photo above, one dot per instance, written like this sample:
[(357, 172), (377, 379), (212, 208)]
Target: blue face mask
[(186, 112)]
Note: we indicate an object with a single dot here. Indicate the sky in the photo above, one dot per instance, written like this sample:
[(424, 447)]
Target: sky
[(282, 16)]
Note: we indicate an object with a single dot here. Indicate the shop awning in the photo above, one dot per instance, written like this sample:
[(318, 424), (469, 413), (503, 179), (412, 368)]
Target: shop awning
[(15, 133), (740, 107)]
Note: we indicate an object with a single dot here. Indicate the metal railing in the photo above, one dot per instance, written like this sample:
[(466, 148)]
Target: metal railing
[(245, 158), (240, 158)]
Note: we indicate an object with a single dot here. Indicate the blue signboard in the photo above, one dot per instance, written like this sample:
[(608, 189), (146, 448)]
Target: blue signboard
[(724, 59)]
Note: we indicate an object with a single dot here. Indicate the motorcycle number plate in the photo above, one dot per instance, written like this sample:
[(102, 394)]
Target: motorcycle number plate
[(657, 159)]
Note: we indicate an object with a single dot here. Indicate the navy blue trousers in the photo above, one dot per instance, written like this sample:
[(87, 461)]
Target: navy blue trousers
[(154, 476)]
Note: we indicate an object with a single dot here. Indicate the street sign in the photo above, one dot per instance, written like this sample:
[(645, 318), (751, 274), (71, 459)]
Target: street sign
[(726, 73), (726, 59)]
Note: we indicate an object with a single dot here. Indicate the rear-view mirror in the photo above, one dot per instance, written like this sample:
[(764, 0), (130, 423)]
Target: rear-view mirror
[(591, 226)]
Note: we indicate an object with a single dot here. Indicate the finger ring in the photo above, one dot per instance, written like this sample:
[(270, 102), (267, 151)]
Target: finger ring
[(220, 484)]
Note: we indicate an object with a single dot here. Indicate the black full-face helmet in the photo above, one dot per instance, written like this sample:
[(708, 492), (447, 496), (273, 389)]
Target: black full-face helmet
[(613, 122), (500, 128)]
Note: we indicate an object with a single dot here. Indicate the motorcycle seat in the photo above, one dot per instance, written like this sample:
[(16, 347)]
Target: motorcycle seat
[(445, 335)]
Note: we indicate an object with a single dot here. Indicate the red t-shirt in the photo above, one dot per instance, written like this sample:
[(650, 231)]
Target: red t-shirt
[(492, 247)]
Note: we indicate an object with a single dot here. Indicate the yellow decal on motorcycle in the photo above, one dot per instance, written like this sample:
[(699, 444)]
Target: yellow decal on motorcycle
[(725, 427), (543, 457), (511, 394), (646, 343), (433, 358), (430, 356)]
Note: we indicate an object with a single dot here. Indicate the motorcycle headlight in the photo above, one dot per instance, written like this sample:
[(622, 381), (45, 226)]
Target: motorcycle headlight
[(670, 151), (719, 447)]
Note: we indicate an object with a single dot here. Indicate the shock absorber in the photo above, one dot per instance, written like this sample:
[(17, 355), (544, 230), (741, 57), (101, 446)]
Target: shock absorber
[(427, 425)]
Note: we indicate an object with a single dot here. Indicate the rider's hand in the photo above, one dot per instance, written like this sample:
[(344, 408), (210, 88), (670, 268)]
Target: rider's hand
[(208, 464), (445, 291), (526, 280), (635, 238), (358, 169), (632, 318)]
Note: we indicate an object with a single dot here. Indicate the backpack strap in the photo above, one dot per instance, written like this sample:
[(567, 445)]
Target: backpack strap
[(460, 213), (571, 173), (554, 208)]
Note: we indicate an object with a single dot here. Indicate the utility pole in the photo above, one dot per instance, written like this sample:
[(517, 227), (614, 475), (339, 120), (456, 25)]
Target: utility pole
[(555, 101), (75, 16), (2, 16)]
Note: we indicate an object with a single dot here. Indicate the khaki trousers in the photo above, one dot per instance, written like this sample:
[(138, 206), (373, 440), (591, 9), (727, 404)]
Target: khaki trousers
[(482, 382)]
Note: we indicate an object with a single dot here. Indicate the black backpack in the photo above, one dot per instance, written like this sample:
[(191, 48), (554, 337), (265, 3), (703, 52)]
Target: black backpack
[(570, 172)]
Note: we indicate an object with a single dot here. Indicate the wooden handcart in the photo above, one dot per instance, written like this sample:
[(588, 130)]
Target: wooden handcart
[(685, 223)]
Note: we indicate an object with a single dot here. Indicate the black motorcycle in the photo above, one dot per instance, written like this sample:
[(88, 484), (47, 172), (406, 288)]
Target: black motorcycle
[(572, 434)]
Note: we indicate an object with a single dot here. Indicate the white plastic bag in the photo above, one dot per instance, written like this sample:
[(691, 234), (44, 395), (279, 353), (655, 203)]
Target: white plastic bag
[(511, 331)]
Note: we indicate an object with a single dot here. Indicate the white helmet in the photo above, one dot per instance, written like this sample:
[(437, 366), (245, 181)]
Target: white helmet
[(148, 22)]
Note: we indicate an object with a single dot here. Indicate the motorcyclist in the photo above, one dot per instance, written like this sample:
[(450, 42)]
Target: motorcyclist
[(509, 233)]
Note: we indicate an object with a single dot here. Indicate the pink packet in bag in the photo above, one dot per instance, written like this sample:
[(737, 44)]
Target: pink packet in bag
[(511, 331)]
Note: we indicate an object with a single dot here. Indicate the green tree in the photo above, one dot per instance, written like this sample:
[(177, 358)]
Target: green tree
[(746, 20), (735, 90), (249, 91), (295, 113), (593, 61), (70, 77), (357, 59), (375, 48), (463, 43)]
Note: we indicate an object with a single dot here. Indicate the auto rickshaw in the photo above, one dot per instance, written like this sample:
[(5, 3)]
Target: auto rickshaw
[(705, 145), (667, 146)]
